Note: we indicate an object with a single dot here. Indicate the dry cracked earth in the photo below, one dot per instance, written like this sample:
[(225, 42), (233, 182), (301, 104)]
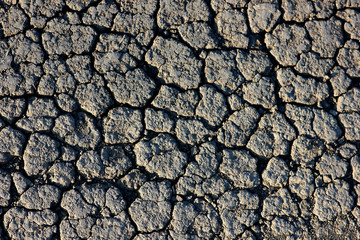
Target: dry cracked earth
[(180, 119)]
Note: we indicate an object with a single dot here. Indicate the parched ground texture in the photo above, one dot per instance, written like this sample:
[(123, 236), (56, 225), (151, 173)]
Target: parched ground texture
[(179, 119)]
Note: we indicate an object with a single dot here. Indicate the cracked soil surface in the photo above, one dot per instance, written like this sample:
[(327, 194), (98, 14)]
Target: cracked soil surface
[(179, 119)]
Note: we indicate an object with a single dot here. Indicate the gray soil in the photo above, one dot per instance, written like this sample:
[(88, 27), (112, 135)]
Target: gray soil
[(179, 119)]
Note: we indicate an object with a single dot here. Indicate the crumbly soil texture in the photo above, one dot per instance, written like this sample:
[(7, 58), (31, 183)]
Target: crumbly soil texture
[(179, 119)]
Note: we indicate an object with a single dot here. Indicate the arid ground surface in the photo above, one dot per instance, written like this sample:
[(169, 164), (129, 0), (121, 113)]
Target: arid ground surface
[(179, 119)]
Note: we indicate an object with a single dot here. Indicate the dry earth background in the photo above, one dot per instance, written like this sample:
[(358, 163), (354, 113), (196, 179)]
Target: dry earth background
[(180, 119)]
